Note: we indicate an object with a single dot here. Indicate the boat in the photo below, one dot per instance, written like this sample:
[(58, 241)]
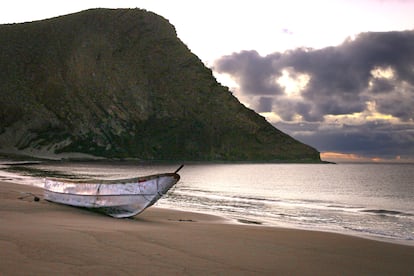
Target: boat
[(120, 198)]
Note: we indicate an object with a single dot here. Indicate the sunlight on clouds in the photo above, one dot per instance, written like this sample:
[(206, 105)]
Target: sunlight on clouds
[(374, 115), (338, 121), (293, 83), (347, 157), (350, 157), (226, 80), (383, 72), (370, 114), (271, 117)]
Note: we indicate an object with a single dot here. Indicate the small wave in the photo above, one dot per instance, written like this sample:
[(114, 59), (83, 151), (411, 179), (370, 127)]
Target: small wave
[(362, 230), (385, 212), (378, 233), (247, 221), (258, 198), (338, 206)]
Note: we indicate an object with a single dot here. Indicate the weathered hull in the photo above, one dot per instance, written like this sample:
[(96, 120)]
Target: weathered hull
[(116, 198)]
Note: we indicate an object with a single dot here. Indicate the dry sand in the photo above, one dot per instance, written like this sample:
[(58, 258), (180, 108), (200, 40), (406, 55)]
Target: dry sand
[(43, 238)]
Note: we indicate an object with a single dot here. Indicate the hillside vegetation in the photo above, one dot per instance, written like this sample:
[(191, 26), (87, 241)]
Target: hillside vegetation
[(121, 84)]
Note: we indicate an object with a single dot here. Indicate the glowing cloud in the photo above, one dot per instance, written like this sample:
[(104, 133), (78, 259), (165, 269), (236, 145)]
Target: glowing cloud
[(293, 83)]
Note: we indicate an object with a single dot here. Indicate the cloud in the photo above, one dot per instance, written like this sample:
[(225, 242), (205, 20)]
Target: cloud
[(342, 79), (366, 84), (371, 139), (253, 73)]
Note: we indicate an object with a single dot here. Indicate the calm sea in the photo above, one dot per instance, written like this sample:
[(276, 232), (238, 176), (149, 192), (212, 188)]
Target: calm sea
[(370, 200)]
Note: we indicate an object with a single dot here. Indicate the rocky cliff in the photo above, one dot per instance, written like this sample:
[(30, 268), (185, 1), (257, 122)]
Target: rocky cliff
[(120, 84)]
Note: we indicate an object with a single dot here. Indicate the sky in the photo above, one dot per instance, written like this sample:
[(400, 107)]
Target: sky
[(335, 74)]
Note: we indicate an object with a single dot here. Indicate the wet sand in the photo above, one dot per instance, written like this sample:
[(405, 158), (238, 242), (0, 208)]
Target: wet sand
[(40, 237)]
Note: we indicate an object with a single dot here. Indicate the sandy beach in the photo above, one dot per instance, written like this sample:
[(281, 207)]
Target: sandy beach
[(43, 238)]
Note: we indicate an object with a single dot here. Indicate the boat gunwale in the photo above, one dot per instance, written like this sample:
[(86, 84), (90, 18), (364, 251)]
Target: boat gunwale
[(96, 195), (113, 181)]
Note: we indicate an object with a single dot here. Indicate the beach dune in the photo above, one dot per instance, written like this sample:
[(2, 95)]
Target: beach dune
[(40, 237)]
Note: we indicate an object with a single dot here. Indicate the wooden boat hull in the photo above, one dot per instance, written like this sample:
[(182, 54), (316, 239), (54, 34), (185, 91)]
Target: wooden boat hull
[(116, 198)]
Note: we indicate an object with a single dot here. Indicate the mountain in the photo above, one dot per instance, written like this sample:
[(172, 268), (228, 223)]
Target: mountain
[(120, 84)]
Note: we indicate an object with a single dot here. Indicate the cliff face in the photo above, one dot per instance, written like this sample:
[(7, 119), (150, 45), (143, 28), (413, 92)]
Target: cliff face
[(119, 83)]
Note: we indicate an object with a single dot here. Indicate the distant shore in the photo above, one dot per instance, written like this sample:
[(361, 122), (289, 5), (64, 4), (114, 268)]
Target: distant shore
[(39, 237)]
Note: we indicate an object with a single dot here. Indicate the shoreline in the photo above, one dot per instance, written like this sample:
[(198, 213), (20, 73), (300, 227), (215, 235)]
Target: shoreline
[(259, 223), (42, 237)]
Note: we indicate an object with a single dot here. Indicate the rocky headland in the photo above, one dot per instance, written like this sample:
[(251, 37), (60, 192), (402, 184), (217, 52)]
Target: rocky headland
[(121, 84)]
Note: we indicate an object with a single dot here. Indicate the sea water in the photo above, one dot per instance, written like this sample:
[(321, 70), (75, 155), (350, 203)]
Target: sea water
[(370, 200)]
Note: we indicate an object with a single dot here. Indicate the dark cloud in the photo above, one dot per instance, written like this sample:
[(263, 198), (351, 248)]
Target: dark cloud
[(372, 73), (400, 104), (254, 73), (382, 85), (265, 104), (370, 139)]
